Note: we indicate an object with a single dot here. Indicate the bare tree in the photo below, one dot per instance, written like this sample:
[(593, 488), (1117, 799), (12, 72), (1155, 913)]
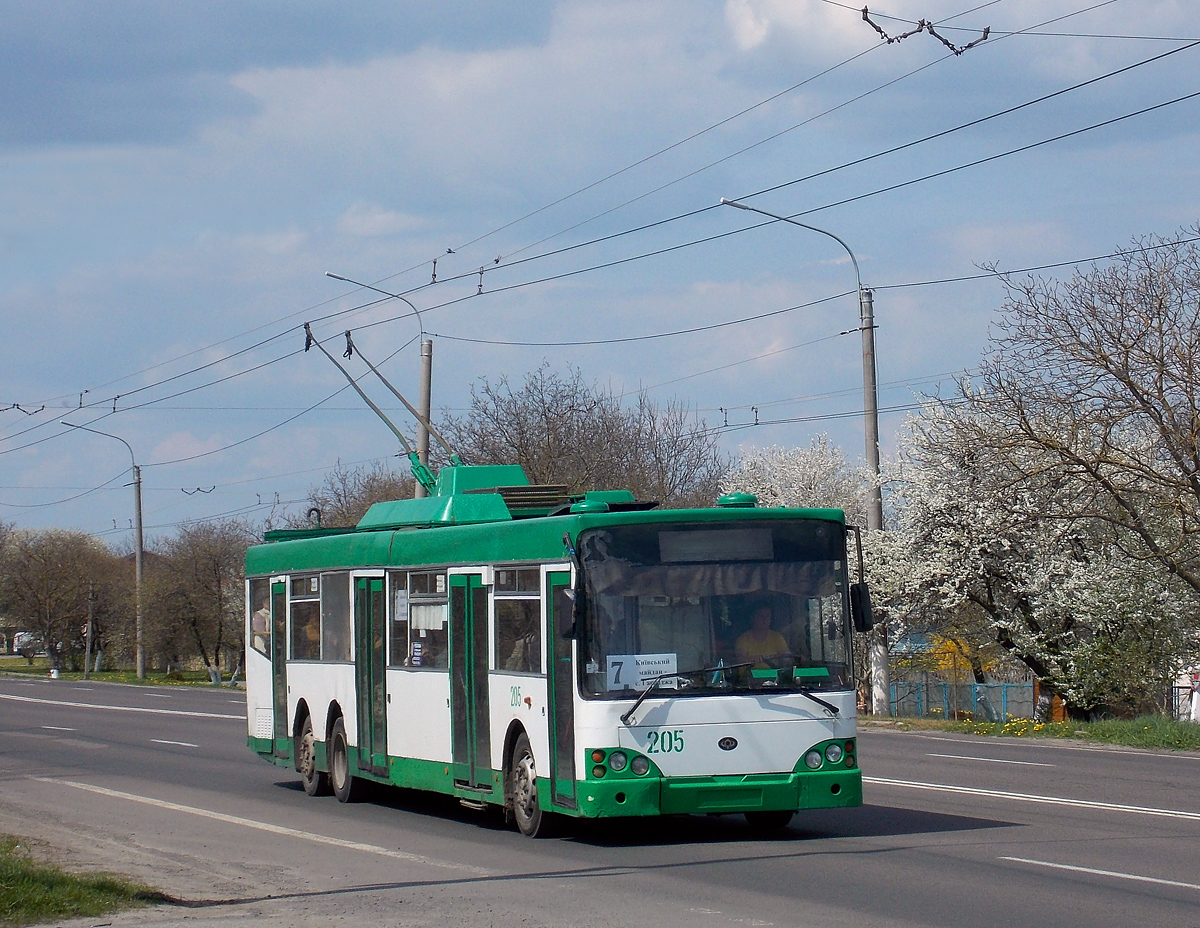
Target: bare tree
[(46, 578), (346, 494), (563, 430), (1099, 377), (198, 592)]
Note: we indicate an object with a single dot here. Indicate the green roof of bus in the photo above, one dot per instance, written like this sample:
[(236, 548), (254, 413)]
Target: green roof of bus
[(465, 526)]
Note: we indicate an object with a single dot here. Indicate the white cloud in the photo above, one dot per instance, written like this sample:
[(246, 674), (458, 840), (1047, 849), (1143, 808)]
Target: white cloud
[(371, 219)]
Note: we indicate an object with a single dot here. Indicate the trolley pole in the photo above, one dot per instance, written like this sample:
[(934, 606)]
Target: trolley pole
[(880, 683), (426, 389)]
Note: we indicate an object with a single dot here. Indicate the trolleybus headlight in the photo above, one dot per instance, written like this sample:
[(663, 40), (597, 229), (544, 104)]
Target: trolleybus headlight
[(640, 766), (813, 759), (617, 760), (597, 756), (598, 771), (833, 753)]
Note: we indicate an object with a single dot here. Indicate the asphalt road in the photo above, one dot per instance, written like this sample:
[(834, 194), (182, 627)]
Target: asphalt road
[(157, 783)]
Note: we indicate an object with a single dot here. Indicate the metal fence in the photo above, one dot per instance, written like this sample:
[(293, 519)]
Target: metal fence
[(985, 702)]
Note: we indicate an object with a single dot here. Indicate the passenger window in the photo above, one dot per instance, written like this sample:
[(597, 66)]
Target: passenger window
[(398, 625), (519, 635), (260, 616), (517, 645), (427, 609), (335, 617)]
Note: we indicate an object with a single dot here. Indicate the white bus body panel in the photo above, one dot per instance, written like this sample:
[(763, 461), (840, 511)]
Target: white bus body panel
[(772, 731), (418, 714), (505, 689), (320, 683), (260, 715)]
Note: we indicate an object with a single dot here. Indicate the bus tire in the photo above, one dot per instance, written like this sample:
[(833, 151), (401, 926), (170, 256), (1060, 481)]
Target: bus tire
[(315, 782), (769, 822), (532, 820), (344, 784)]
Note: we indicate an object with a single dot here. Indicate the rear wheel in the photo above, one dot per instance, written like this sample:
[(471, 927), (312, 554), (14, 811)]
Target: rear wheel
[(315, 782), (345, 786), (768, 822), (532, 820)]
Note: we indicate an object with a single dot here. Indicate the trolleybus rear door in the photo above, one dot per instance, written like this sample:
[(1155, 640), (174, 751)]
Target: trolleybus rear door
[(562, 691), (370, 653), (469, 717), (279, 639)]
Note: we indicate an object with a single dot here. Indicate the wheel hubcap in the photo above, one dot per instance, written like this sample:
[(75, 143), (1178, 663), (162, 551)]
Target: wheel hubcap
[(525, 786)]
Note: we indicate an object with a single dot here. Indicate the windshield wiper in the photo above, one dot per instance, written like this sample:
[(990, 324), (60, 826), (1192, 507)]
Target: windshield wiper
[(817, 699), (667, 676)]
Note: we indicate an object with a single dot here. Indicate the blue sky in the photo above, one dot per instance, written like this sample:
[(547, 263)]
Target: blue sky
[(176, 179)]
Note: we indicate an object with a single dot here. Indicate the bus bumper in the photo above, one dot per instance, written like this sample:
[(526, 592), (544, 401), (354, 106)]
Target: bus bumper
[(830, 789)]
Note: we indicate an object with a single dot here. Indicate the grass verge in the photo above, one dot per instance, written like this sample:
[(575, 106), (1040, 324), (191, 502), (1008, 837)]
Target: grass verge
[(1147, 731), (33, 891), (41, 667)]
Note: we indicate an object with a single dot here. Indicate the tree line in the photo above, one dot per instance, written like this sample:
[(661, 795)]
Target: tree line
[(1045, 515)]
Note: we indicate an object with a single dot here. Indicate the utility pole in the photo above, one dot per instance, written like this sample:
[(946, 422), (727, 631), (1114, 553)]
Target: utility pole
[(137, 543), (87, 648), (880, 683), (137, 568), (424, 405)]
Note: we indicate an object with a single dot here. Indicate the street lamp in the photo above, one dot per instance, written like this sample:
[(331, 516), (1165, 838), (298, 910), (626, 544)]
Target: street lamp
[(866, 307), (137, 549)]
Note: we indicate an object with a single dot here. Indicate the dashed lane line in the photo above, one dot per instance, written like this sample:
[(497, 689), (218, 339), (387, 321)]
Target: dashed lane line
[(182, 744), (1028, 797), (89, 705), (1112, 873), (57, 728), (267, 827)]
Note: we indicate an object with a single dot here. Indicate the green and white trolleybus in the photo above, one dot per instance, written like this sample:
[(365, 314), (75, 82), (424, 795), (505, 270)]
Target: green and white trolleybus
[(562, 656)]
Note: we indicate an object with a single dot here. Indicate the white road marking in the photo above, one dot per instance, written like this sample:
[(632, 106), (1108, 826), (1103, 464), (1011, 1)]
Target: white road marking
[(266, 826), (182, 744), (1044, 800), (1095, 872), (57, 728), (83, 689), (160, 695), (991, 760), (88, 705)]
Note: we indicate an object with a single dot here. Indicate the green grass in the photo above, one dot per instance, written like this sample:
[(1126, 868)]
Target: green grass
[(32, 891), (41, 667), (1147, 731)]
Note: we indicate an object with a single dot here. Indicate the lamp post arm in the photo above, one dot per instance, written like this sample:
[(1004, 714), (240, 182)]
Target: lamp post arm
[(803, 225), (394, 296), (84, 428)]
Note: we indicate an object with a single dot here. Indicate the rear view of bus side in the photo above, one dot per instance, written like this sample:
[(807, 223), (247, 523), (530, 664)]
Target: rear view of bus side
[(562, 656)]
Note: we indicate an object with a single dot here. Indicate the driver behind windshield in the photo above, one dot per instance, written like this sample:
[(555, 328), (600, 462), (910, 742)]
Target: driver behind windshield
[(761, 643)]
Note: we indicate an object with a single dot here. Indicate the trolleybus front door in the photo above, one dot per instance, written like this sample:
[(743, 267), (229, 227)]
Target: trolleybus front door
[(370, 628), (279, 639), (562, 692), (469, 717)]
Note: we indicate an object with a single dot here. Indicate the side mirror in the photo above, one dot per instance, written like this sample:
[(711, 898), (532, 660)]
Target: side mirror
[(860, 607)]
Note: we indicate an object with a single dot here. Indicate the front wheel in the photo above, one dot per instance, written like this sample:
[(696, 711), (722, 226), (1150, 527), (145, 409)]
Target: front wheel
[(769, 822), (315, 782), (532, 820), (345, 786)]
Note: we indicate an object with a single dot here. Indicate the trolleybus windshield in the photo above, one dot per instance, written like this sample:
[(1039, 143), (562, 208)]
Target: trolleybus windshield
[(673, 598)]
